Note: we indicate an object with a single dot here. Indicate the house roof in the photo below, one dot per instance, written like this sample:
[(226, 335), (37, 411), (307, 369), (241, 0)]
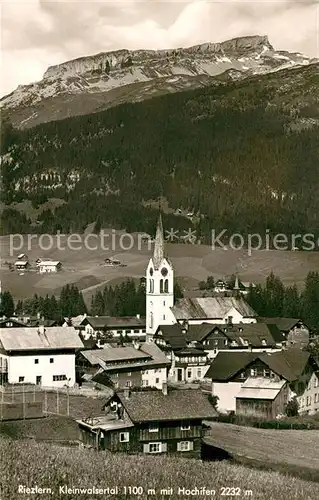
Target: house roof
[(227, 364), (49, 262), (255, 333), (211, 307), (288, 364), (197, 333), (111, 354), (260, 388), (284, 324), (12, 320), (30, 338), (172, 334), (110, 322), (178, 404)]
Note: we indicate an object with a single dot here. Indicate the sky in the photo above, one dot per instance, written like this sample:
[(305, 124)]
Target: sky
[(36, 34)]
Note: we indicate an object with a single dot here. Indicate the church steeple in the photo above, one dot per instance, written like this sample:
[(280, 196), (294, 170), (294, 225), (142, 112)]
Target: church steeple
[(158, 254)]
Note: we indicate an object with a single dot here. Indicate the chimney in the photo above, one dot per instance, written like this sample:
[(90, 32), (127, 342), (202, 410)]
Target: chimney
[(127, 392), (136, 344), (138, 316), (164, 389)]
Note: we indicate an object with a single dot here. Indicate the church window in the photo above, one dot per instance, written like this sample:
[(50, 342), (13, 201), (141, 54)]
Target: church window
[(151, 320), (164, 271), (162, 286), (151, 286), (166, 286)]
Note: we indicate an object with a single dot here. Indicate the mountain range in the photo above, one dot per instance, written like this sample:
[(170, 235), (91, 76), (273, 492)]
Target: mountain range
[(227, 131), (94, 83)]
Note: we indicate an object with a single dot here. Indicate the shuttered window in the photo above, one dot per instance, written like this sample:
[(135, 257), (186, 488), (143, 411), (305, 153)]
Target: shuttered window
[(156, 447), (185, 446)]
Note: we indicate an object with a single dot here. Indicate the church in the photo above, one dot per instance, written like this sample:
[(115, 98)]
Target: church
[(160, 307)]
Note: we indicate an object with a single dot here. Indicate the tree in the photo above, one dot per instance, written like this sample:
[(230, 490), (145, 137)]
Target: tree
[(292, 407), (178, 291), (6, 304), (210, 283)]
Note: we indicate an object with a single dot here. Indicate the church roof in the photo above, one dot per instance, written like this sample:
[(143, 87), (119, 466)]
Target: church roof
[(158, 254), (210, 307)]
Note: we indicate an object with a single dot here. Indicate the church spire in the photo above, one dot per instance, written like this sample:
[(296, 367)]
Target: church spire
[(158, 254)]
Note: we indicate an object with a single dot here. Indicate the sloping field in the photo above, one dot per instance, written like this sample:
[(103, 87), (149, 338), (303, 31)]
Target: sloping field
[(50, 466), (85, 266), (291, 449)]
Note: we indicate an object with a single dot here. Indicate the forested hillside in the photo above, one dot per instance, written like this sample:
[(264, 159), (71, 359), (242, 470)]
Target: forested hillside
[(244, 155)]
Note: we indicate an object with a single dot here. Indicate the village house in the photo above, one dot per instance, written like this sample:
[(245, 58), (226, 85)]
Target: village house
[(151, 422), (295, 331), (49, 266), (42, 356), (230, 370), (308, 400), (105, 328), (10, 322), (22, 265), (262, 398), (137, 365)]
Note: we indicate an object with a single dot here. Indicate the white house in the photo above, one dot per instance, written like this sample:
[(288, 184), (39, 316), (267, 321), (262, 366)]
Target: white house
[(42, 356), (49, 266)]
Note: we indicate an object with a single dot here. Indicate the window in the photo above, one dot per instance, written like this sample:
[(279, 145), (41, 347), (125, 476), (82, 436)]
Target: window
[(199, 373), (153, 427), (215, 342), (116, 385), (164, 316), (144, 383), (184, 446), (157, 381), (166, 286), (127, 331), (36, 361), (316, 395), (242, 375), (155, 447), (51, 360), (164, 303), (115, 375), (267, 373), (316, 382), (21, 379), (58, 378), (128, 383), (253, 372), (185, 426), (129, 374), (189, 373), (124, 437)]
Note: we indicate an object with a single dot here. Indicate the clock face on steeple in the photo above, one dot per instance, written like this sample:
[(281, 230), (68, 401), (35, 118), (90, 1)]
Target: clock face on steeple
[(164, 271)]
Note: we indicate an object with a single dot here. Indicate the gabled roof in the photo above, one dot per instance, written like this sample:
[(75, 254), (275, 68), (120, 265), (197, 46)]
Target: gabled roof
[(29, 338), (260, 388), (197, 333), (211, 307), (288, 364), (227, 364), (255, 333), (111, 354), (284, 324), (178, 404), (114, 322), (12, 320), (172, 334)]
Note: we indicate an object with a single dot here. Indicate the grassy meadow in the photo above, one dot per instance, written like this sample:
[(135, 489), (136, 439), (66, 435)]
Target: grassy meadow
[(192, 263), (50, 466)]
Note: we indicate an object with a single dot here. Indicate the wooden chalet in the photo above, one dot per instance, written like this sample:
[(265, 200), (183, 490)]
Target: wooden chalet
[(150, 421)]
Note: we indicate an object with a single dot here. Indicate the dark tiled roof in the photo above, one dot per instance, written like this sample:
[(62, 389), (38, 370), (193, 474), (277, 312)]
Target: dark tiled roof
[(255, 333), (113, 322), (173, 335), (197, 333), (288, 364), (227, 364), (178, 404), (284, 324)]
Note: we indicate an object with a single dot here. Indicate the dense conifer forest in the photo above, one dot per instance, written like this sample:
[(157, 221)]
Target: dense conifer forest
[(244, 155)]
